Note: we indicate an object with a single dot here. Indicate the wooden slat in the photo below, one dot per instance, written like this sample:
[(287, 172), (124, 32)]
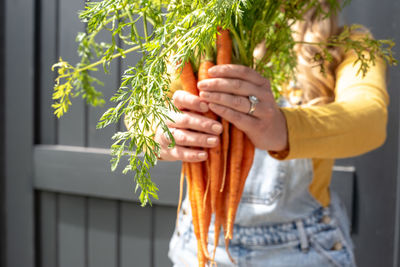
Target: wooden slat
[(343, 179), (377, 171), (86, 171), (48, 56), (71, 231), (135, 235), (164, 223), (48, 229), (102, 137), (72, 125), (17, 212), (102, 235), (2, 131)]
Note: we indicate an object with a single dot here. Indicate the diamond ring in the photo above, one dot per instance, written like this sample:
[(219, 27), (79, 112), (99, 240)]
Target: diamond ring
[(253, 101)]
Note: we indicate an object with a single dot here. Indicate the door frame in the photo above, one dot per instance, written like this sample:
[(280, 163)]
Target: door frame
[(17, 139)]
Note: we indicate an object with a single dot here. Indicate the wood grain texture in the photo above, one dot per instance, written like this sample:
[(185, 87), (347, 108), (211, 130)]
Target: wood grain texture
[(72, 125), (86, 171), (164, 223), (135, 235), (72, 231), (102, 137), (48, 229), (18, 133), (48, 56), (102, 235)]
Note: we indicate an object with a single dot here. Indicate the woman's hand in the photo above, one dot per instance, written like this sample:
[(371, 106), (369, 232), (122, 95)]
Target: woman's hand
[(227, 93), (191, 130)]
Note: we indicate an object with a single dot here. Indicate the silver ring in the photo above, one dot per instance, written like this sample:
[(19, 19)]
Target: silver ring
[(253, 101)]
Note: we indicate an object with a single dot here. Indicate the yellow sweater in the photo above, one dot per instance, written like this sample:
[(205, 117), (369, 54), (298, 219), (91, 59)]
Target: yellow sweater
[(353, 124)]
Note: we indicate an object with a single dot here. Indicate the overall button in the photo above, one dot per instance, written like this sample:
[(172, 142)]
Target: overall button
[(326, 219), (337, 246)]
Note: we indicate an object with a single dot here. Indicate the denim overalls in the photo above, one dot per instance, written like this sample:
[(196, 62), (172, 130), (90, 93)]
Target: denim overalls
[(278, 223)]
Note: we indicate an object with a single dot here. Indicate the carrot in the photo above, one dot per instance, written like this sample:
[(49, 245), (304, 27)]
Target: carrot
[(188, 79), (199, 189), (224, 56), (200, 255), (214, 160), (199, 213), (214, 166), (193, 199), (225, 203), (247, 162), (195, 216), (224, 47), (205, 65), (236, 156)]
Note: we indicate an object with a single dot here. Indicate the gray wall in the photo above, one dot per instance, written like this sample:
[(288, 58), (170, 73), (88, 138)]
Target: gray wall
[(377, 172), (2, 152), (18, 132)]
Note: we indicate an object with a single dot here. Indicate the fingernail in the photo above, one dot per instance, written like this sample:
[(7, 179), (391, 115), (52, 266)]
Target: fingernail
[(203, 107), (212, 70), (205, 94), (216, 128), (212, 140), (202, 84), (202, 155)]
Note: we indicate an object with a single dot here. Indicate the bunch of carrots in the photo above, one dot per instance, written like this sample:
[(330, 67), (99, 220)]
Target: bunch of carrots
[(216, 185)]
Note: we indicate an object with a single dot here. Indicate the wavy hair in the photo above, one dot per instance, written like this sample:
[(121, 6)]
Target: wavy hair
[(313, 87)]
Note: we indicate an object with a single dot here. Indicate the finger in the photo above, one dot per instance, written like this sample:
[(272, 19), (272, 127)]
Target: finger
[(184, 100), (184, 154), (238, 71), (235, 87), (242, 121), (189, 138), (193, 121), (235, 102)]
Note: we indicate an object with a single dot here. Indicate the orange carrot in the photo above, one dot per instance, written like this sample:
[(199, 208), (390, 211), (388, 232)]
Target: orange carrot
[(224, 47), (199, 189), (225, 205), (205, 65), (195, 217), (200, 255), (188, 79), (200, 218), (236, 156), (247, 161), (214, 160), (224, 56), (214, 166)]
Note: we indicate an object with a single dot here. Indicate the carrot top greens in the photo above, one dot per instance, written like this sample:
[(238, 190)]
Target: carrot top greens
[(175, 32)]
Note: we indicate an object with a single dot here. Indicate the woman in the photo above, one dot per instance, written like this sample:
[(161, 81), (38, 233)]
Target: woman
[(287, 215)]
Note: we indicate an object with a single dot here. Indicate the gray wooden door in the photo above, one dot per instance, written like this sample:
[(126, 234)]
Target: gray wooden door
[(87, 215), (376, 229), (61, 204), (17, 91)]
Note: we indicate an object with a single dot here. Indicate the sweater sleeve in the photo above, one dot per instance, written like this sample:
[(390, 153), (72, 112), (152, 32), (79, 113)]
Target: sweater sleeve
[(353, 124)]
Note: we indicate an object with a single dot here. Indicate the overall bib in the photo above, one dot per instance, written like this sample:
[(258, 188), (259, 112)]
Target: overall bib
[(278, 223)]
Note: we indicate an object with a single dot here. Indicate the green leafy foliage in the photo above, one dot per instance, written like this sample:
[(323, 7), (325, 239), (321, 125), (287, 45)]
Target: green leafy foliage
[(174, 32)]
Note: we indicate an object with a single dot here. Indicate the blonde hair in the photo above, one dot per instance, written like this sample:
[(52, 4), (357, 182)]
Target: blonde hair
[(313, 87)]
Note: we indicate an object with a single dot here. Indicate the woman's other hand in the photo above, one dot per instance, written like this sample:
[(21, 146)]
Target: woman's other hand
[(227, 93), (191, 130)]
